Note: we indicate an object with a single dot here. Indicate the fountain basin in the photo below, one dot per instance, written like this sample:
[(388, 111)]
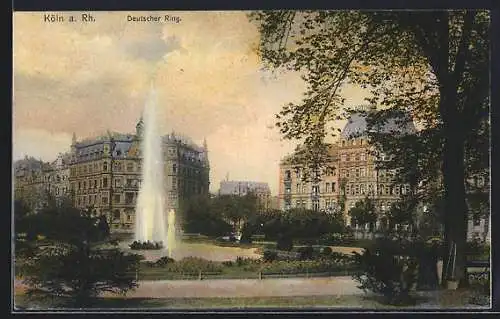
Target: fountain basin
[(147, 245)]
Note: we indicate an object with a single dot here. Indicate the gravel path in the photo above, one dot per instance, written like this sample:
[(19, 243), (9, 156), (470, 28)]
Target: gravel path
[(245, 288)]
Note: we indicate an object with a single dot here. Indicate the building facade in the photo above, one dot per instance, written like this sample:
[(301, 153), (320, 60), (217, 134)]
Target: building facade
[(297, 191), (356, 177), (242, 188), (36, 181), (104, 174), (351, 175)]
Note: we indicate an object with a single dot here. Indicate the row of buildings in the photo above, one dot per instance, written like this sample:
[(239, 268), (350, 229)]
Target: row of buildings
[(260, 189), (352, 175), (105, 173)]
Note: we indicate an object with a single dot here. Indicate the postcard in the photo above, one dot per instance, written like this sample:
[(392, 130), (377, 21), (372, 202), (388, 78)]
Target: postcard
[(251, 160)]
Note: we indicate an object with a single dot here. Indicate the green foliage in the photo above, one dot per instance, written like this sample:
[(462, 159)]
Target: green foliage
[(306, 253), (193, 265), (363, 212), (284, 243), (163, 261), (199, 216), (75, 258), (304, 266), (269, 256), (300, 224), (402, 211), (383, 272), (433, 65), (326, 251)]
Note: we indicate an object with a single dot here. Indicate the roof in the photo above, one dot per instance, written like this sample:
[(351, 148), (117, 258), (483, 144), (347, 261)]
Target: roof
[(238, 187), (357, 126)]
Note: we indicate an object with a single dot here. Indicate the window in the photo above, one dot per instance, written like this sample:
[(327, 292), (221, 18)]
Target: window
[(90, 168), (287, 175), (327, 187), (362, 171), (347, 189), (357, 156), (118, 182), (348, 157), (363, 156), (298, 188), (129, 198), (118, 166), (116, 214), (105, 166), (347, 173), (362, 189), (79, 185), (105, 182), (129, 182), (304, 188), (95, 183), (333, 187), (174, 183), (174, 168), (315, 205), (139, 166), (357, 189), (130, 167), (116, 198), (297, 172), (84, 184), (357, 172), (315, 189)]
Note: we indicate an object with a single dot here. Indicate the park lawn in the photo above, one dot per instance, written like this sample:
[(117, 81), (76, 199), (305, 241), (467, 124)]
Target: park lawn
[(446, 299), (211, 303)]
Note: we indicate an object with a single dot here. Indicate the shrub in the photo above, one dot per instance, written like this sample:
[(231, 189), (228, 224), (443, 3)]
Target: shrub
[(163, 261), (269, 256), (284, 243), (385, 273), (326, 251), (311, 266), (193, 265), (306, 252)]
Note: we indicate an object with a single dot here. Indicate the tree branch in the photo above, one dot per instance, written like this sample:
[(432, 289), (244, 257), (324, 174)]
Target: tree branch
[(463, 49)]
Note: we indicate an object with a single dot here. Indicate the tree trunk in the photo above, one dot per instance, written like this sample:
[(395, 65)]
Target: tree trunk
[(455, 205)]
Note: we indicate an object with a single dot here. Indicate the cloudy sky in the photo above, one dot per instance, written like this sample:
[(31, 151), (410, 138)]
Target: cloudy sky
[(89, 77)]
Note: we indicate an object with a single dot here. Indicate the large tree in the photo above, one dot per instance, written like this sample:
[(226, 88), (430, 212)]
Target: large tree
[(63, 251), (432, 64)]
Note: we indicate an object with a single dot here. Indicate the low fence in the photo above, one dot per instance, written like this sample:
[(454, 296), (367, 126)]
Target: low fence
[(246, 275)]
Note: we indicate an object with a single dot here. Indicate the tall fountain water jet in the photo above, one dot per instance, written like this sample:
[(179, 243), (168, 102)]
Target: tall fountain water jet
[(150, 211), (171, 232)]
